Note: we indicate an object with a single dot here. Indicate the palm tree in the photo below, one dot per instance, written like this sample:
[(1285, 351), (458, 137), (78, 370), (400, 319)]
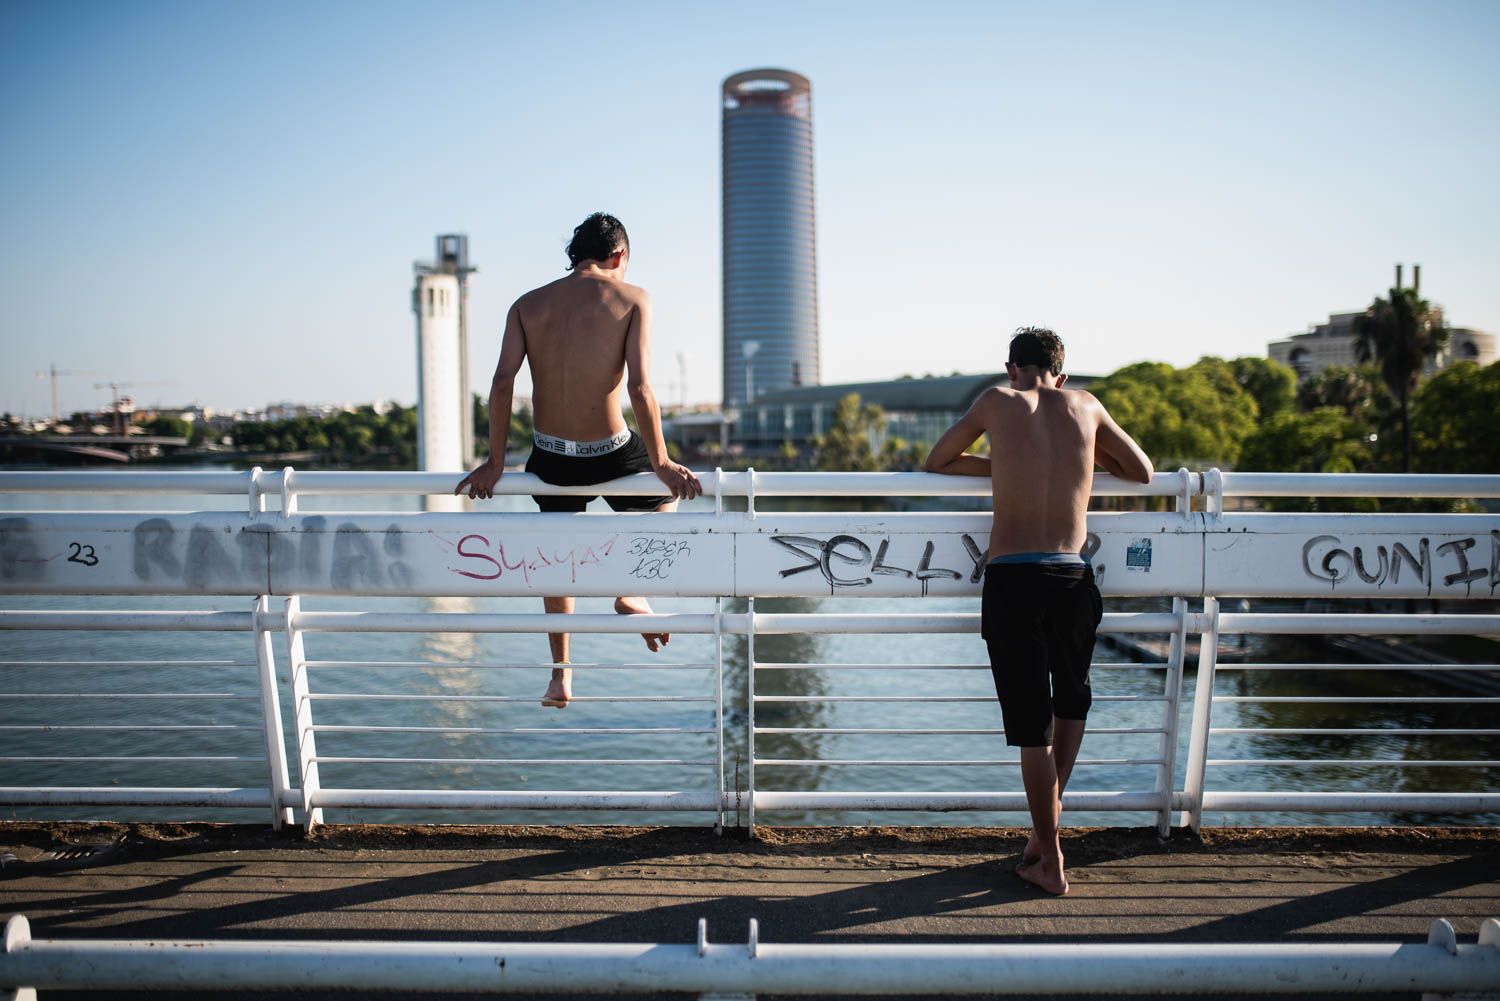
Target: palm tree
[(1399, 335)]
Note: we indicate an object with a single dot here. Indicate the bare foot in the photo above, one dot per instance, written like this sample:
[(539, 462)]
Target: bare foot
[(1046, 874), (639, 606), (558, 691), (1033, 851)]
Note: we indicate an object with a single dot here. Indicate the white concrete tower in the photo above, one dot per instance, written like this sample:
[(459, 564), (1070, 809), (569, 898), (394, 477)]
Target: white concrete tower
[(445, 434), (441, 409)]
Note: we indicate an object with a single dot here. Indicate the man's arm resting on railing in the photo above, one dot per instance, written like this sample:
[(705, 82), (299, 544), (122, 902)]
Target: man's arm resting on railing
[(680, 480), (481, 482), (1117, 452), (949, 453)]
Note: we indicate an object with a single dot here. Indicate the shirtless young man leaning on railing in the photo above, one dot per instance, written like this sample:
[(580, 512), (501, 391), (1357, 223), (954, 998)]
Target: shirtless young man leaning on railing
[(587, 336), (1041, 607)]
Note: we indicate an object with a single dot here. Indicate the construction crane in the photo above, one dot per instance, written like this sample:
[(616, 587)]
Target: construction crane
[(114, 389), (54, 372)]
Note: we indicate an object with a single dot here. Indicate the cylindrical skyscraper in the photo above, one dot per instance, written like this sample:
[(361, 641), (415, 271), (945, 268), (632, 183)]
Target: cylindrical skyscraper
[(770, 268)]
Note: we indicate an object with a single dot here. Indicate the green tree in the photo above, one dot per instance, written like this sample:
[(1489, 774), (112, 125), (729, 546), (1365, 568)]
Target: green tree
[(1271, 384), (1399, 335), (1357, 391), (1453, 420), (1324, 440), (849, 443), (1194, 415), (167, 427)]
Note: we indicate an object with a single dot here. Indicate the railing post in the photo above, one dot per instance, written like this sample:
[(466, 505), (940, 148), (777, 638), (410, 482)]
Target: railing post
[(750, 711), (307, 745), (270, 697), (719, 709), (1171, 719), (270, 711), (1203, 702), (288, 493), (1213, 492)]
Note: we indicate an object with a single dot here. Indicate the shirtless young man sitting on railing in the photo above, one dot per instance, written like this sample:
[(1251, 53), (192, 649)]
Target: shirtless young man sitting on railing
[(1041, 607), (587, 336)]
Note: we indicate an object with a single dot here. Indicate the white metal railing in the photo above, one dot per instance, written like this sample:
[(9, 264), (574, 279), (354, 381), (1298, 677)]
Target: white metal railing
[(1442, 966), (1202, 553)]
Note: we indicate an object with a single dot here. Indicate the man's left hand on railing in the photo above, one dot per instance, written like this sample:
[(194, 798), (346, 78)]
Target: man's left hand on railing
[(679, 479), (481, 482)]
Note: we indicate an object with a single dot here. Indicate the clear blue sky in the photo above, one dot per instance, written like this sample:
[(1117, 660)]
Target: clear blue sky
[(227, 198)]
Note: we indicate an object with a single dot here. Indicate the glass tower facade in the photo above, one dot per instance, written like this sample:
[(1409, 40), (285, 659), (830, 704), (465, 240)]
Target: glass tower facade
[(770, 268)]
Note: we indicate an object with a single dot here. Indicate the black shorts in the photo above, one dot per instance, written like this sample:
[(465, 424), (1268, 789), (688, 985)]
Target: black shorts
[(579, 471), (1039, 623)]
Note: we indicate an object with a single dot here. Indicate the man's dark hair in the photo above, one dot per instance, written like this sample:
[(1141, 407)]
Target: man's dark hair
[(1037, 346), (597, 238)]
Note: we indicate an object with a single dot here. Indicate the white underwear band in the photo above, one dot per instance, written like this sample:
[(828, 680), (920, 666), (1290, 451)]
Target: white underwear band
[(567, 446)]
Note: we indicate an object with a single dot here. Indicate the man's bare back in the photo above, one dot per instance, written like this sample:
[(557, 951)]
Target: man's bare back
[(587, 337), (576, 330), (1045, 441), (1041, 607)]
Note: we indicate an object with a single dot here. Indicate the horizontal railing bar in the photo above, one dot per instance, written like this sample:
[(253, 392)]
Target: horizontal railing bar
[(729, 484), (1321, 623), (486, 799), (935, 732), (1013, 802), (1102, 666), (1012, 763), (1353, 802), (339, 728), (514, 622), (138, 757), (783, 484), (869, 667), (1361, 699), (1355, 667), (1384, 762), (219, 696), (1356, 732), (358, 697), (946, 698), (937, 622), (507, 761), (730, 969), (132, 482), (1357, 485), (190, 621), (127, 663), (538, 665), (129, 726), (134, 796)]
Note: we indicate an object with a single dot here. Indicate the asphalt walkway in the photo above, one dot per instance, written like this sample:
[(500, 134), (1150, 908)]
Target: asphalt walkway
[(804, 885)]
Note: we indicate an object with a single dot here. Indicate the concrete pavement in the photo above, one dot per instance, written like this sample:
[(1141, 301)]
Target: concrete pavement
[(804, 885)]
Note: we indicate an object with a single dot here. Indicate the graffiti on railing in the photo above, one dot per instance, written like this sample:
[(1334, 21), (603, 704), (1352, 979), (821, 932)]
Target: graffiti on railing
[(648, 557), (847, 561), (1328, 558)]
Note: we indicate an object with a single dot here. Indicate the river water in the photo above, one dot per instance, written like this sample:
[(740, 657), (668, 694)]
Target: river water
[(439, 670)]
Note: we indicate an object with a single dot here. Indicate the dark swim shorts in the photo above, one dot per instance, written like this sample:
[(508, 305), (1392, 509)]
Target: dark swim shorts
[(578, 471), (1039, 623)]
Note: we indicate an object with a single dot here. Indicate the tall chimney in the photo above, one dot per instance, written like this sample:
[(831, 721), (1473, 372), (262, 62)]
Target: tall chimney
[(1398, 277), (1416, 277)]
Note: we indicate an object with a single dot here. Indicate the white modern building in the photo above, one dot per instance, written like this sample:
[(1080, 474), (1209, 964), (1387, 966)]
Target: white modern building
[(1332, 343)]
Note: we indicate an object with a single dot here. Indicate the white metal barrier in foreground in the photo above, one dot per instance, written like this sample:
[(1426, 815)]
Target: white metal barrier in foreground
[(1441, 967), (1181, 554)]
